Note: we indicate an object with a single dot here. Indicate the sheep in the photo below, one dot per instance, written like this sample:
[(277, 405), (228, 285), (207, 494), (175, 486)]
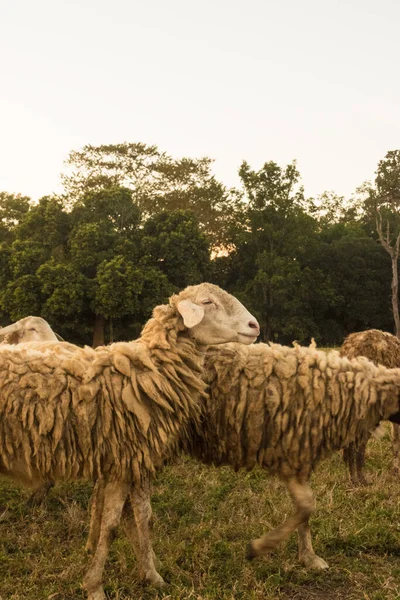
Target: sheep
[(113, 413), (28, 329), (284, 409), (381, 348)]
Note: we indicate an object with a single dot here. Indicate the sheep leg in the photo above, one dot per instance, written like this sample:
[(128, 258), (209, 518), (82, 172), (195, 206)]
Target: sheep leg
[(114, 498), (304, 504), (349, 457), (360, 461), (137, 521), (307, 555), (96, 511), (37, 497), (396, 448)]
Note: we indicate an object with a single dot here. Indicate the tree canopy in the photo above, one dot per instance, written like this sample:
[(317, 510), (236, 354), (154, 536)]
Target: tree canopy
[(135, 225)]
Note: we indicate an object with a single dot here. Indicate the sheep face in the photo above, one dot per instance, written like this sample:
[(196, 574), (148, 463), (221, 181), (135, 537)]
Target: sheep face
[(29, 329), (212, 316)]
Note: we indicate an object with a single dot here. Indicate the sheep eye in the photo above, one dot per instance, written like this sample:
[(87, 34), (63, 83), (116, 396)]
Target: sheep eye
[(207, 302)]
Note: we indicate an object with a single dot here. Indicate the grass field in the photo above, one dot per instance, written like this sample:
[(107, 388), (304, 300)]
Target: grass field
[(203, 519)]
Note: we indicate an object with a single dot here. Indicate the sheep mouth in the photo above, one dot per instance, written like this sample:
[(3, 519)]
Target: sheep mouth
[(250, 336)]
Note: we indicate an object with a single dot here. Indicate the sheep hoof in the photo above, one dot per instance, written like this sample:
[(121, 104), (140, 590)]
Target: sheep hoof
[(155, 580), (251, 552), (89, 548), (362, 482), (314, 562), (97, 595)]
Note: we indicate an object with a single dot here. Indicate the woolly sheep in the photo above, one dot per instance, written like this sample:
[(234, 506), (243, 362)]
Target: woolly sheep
[(28, 329), (284, 409), (115, 413), (381, 348)]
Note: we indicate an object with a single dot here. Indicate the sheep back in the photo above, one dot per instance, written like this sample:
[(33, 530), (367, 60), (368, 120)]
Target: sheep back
[(378, 346), (286, 408), (116, 412)]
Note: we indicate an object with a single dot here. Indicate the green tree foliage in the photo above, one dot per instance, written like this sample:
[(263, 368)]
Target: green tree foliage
[(136, 225), (273, 235), (13, 207), (173, 243), (156, 181)]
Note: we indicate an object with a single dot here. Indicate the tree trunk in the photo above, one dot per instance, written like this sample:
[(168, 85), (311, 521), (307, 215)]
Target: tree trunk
[(393, 251), (395, 294), (98, 333)]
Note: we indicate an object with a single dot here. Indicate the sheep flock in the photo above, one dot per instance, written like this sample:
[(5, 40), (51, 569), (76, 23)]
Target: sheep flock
[(193, 382)]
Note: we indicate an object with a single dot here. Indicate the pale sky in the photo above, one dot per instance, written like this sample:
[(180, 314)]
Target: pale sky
[(313, 80)]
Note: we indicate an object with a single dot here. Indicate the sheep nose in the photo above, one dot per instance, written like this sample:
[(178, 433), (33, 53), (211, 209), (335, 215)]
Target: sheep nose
[(254, 325)]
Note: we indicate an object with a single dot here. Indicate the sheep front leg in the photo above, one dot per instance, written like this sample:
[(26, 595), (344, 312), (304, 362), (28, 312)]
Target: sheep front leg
[(137, 516), (304, 504), (114, 497), (96, 511)]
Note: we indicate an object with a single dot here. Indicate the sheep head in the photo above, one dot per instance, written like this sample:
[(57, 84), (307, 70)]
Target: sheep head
[(29, 329), (212, 316)]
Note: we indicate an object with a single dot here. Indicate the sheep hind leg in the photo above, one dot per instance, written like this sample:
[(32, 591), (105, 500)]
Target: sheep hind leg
[(396, 448), (304, 504), (361, 450), (96, 510), (137, 518), (349, 457), (307, 556), (37, 497), (114, 498)]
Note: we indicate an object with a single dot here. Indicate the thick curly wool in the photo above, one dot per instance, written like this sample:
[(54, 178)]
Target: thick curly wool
[(378, 346), (287, 408), (381, 348), (116, 412)]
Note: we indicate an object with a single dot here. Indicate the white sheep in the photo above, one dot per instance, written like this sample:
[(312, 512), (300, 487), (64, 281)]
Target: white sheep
[(284, 409), (116, 413), (28, 329)]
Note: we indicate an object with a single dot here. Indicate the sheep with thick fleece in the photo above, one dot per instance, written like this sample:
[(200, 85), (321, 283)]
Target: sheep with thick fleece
[(115, 413), (28, 329), (382, 348), (284, 409)]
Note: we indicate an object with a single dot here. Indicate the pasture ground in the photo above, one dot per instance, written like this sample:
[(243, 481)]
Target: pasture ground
[(204, 518)]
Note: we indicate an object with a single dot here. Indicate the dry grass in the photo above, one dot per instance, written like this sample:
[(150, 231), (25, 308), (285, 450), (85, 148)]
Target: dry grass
[(204, 518)]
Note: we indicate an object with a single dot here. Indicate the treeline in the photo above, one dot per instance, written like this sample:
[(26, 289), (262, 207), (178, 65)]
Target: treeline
[(135, 225)]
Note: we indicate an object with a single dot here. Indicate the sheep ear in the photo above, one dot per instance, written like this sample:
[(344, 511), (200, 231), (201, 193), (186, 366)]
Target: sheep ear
[(192, 314), (10, 329)]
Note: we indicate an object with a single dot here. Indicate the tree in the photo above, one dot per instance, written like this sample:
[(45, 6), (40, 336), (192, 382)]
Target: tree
[(383, 201), (157, 182), (105, 235), (173, 243), (13, 208), (272, 236)]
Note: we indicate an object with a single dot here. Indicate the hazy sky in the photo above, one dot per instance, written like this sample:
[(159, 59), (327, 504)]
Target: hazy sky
[(312, 80)]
